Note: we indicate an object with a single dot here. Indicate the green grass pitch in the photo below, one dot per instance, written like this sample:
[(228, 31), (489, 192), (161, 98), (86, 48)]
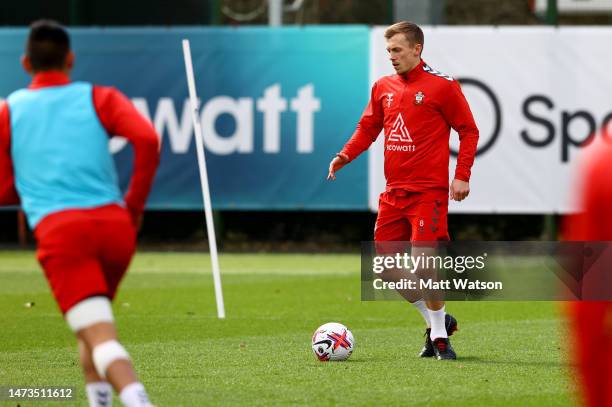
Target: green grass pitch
[(510, 353)]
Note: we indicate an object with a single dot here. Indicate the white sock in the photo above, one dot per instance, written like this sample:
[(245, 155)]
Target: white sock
[(99, 394), (438, 328), (134, 395), (422, 307)]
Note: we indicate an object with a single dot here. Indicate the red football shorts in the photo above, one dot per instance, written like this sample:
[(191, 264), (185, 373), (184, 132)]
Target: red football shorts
[(412, 216), (85, 252)]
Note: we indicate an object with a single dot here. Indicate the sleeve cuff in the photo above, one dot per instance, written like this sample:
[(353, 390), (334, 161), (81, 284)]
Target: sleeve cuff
[(343, 155), (462, 176)]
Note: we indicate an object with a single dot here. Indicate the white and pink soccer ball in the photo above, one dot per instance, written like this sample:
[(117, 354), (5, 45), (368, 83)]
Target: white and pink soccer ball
[(332, 342)]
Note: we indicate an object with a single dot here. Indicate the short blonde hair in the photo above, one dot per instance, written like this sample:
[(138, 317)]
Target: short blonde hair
[(411, 31)]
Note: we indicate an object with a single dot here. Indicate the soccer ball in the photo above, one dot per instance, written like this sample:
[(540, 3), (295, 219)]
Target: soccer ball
[(332, 341)]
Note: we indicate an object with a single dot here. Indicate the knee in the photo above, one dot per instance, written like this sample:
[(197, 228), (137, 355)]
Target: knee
[(106, 353)]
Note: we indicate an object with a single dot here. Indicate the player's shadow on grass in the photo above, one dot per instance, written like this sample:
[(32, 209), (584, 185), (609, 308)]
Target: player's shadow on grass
[(476, 359)]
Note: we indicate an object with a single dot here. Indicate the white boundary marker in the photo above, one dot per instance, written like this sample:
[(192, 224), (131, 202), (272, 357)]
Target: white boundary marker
[(210, 228)]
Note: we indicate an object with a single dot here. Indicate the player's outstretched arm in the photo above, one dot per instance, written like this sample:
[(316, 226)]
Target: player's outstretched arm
[(368, 128)]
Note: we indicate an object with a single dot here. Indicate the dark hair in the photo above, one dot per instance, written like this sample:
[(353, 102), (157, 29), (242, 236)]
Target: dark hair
[(411, 31), (47, 46)]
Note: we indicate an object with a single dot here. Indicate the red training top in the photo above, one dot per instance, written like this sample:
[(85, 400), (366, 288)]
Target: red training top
[(417, 110)]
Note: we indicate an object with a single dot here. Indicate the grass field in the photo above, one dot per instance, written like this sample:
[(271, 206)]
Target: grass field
[(509, 353)]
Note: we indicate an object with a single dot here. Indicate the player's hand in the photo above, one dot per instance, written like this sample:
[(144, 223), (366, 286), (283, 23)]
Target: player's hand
[(459, 190), (335, 164)]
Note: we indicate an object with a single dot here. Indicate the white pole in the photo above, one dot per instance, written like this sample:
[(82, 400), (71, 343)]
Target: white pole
[(212, 240), (275, 13)]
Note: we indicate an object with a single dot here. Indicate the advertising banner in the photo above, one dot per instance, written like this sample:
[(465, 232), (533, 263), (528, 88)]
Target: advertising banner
[(276, 105)]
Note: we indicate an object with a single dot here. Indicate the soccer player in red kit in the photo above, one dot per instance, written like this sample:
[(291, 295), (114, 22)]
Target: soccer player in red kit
[(591, 321), (416, 107), (55, 162)]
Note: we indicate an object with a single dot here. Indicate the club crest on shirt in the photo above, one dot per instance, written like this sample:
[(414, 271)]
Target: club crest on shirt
[(418, 98), (389, 99)]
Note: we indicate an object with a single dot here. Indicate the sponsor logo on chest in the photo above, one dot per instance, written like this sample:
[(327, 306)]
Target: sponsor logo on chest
[(399, 134)]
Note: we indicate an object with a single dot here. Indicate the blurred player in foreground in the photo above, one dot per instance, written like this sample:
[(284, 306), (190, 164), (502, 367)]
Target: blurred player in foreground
[(55, 161), (591, 321), (416, 107)]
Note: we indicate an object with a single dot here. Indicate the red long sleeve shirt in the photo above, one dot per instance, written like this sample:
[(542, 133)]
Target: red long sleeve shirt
[(118, 116), (416, 111)]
